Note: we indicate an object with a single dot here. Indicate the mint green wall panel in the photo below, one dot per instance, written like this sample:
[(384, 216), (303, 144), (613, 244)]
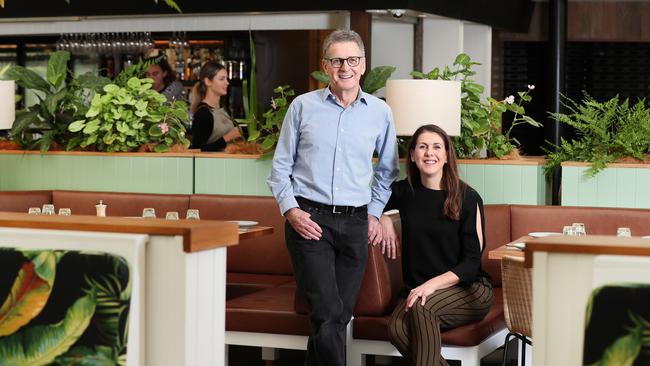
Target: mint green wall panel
[(642, 191), (120, 173), (234, 176), (611, 187), (506, 183), (626, 187)]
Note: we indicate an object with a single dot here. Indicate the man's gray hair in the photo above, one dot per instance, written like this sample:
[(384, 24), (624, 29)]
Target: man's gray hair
[(343, 35)]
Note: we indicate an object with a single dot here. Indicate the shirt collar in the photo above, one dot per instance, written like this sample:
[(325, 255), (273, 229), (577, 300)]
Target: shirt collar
[(327, 93)]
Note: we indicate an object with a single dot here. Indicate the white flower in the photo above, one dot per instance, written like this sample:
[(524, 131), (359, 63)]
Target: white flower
[(510, 99), (273, 104), (531, 87)]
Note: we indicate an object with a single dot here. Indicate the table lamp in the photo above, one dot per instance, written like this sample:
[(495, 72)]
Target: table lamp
[(7, 104), (418, 102)]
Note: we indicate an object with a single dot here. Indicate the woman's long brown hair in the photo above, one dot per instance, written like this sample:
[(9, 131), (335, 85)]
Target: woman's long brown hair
[(208, 71), (450, 182)]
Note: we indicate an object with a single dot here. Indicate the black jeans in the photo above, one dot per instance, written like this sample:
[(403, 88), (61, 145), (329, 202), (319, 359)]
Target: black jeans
[(328, 273)]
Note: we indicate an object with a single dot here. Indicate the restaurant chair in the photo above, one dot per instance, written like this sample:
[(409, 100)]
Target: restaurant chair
[(516, 281)]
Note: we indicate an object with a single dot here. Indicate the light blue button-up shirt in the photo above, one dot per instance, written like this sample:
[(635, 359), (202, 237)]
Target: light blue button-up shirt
[(325, 152)]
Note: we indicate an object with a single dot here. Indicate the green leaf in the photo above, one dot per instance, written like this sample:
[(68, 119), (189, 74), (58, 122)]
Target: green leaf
[(57, 68), (462, 59), (91, 127), (376, 78), (41, 344), (86, 356), (321, 76), (29, 293), (269, 142), (155, 131), (624, 351), (23, 120), (77, 126), (418, 75), (28, 79)]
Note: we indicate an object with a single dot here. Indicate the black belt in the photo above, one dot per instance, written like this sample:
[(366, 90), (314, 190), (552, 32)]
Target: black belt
[(333, 209)]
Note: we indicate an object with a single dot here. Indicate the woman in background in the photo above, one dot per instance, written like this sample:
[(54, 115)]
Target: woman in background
[(164, 80), (443, 240), (212, 127)]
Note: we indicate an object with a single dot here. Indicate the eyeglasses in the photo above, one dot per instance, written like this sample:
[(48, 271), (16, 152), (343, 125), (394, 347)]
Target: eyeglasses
[(338, 61)]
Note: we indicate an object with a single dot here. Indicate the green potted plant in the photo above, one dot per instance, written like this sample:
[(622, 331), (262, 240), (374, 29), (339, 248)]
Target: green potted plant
[(45, 124), (489, 158), (125, 118), (606, 164), (481, 120)]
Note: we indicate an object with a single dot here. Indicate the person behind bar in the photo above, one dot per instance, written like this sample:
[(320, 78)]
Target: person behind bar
[(322, 177), (164, 80), (443, 239), (212, 127)]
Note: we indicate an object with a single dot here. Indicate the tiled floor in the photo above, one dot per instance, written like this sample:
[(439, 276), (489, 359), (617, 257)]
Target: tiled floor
[(251, 356)]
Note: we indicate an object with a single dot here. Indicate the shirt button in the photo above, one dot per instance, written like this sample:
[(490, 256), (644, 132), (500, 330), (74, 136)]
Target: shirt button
[(339, 149), (337, 188), (342, 130), (338, 169)]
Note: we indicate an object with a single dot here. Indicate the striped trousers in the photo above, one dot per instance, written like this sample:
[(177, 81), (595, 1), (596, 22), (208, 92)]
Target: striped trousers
[(416, 333)]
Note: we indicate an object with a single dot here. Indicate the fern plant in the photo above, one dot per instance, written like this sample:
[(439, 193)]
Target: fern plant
[(606, 132)]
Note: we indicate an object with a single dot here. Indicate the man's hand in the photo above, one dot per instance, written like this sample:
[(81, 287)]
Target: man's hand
[(390, 242), (303, 224), (374, 230)]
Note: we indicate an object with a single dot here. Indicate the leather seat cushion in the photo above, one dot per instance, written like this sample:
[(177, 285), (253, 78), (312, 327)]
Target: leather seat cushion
[(376, 328), (267, 311), (21, 201), (240, 284)]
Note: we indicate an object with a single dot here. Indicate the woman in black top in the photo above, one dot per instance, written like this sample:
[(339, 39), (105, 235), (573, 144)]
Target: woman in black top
[(212, 127), (443, 239)]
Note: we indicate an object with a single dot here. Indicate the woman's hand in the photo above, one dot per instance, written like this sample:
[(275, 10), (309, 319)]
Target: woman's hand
[(390, 242), (427, 289), (232, 134), (421, 293)]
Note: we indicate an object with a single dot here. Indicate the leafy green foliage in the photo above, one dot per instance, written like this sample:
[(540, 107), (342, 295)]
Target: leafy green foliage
[(113, 298), (41, 344), (481, 121), (86, 356), (123, 118), (135, 71), (375, 78), (267, 130), (47, 122), (606, 132)]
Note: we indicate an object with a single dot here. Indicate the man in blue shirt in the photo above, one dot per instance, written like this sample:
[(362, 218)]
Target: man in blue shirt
[(325, 185)]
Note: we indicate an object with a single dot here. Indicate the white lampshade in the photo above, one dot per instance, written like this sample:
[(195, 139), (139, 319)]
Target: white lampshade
[(420, 102), (7, 104)]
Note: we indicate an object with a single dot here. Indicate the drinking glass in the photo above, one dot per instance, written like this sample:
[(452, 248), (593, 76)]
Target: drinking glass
[(568, 230), (579, 229), (624, 232), (34, 211), (65, 212), (192, 214), (148, 213), (172, 215), (48, 209)]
